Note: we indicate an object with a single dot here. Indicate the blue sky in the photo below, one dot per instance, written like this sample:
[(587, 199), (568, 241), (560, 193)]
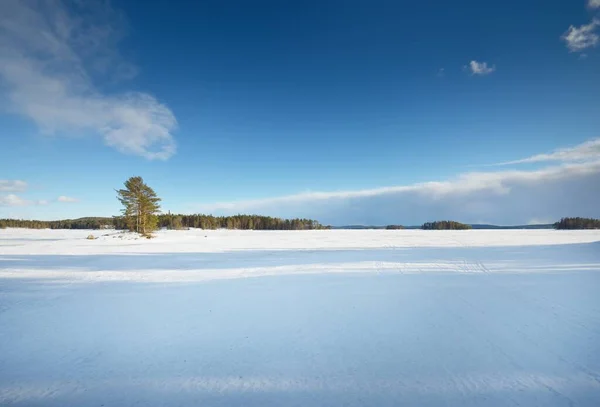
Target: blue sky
[(344, 111)]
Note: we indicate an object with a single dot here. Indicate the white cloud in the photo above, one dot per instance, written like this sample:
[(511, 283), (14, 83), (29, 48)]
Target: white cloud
[(578, 39), (15, 200), (594, 3), (481, 68), (63, 198), (590, 150), (50, 55), (441, 73), (569, 188), (12, 185)]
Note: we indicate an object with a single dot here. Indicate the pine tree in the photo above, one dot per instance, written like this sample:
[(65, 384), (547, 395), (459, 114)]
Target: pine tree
[(140, 206), (176, 222)]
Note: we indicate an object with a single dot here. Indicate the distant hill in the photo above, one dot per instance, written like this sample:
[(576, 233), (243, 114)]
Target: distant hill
[(357, 227), (474, 226), (542, 226)]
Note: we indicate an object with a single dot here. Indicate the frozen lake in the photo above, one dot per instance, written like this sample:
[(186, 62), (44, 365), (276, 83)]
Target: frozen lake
[(300, 318)]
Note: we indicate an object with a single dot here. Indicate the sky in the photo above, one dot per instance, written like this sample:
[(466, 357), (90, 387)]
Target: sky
[(348, 112)]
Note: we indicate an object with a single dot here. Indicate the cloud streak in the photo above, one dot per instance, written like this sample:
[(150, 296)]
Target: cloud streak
[(590, 150), (12, 185), (67, 199), (504, 197), (50, 57)]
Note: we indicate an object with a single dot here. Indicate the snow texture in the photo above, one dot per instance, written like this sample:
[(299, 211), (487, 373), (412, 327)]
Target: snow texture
[(306, 318)]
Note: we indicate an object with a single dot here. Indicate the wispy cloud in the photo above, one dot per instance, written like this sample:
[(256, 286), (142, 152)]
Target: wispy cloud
[(481, 68), (21, 186), (15, 200), (506, 197), (67, 199), (580, 38), (594, 4), (12, 185), (590, 150), (51, 57), (441, 73)]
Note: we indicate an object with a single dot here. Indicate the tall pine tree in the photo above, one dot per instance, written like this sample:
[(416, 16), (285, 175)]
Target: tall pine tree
[(140, 206)]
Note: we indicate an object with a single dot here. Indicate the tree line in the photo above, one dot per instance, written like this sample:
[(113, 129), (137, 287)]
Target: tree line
[(172, 221), (256, 222), (81, 223), (141, 213), (243, 222), (577, 223)]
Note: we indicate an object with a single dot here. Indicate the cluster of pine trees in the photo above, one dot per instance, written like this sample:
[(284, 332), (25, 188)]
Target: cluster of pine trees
[(577, 223), (394, 227), (140, 206), (445, 225)]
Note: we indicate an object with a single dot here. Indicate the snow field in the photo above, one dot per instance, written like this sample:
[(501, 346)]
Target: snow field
[(357, 318)]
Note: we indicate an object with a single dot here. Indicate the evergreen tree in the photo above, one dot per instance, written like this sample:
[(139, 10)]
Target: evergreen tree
[(140, 206), (176, 223)]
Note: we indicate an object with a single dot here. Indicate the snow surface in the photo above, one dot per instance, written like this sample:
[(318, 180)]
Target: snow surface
[(353, 318)]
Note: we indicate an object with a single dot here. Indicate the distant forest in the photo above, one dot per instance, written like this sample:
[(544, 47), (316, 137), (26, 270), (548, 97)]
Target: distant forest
[(172, 221), (256, 222), (244, 222), (81, 223), (577, 223), (445, 225)]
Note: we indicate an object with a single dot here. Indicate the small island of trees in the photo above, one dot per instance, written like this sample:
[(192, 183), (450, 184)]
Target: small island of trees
[(577, 223), (445, 225)]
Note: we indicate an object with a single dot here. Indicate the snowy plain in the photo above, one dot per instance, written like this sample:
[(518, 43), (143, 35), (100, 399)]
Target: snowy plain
[(297, 318)]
